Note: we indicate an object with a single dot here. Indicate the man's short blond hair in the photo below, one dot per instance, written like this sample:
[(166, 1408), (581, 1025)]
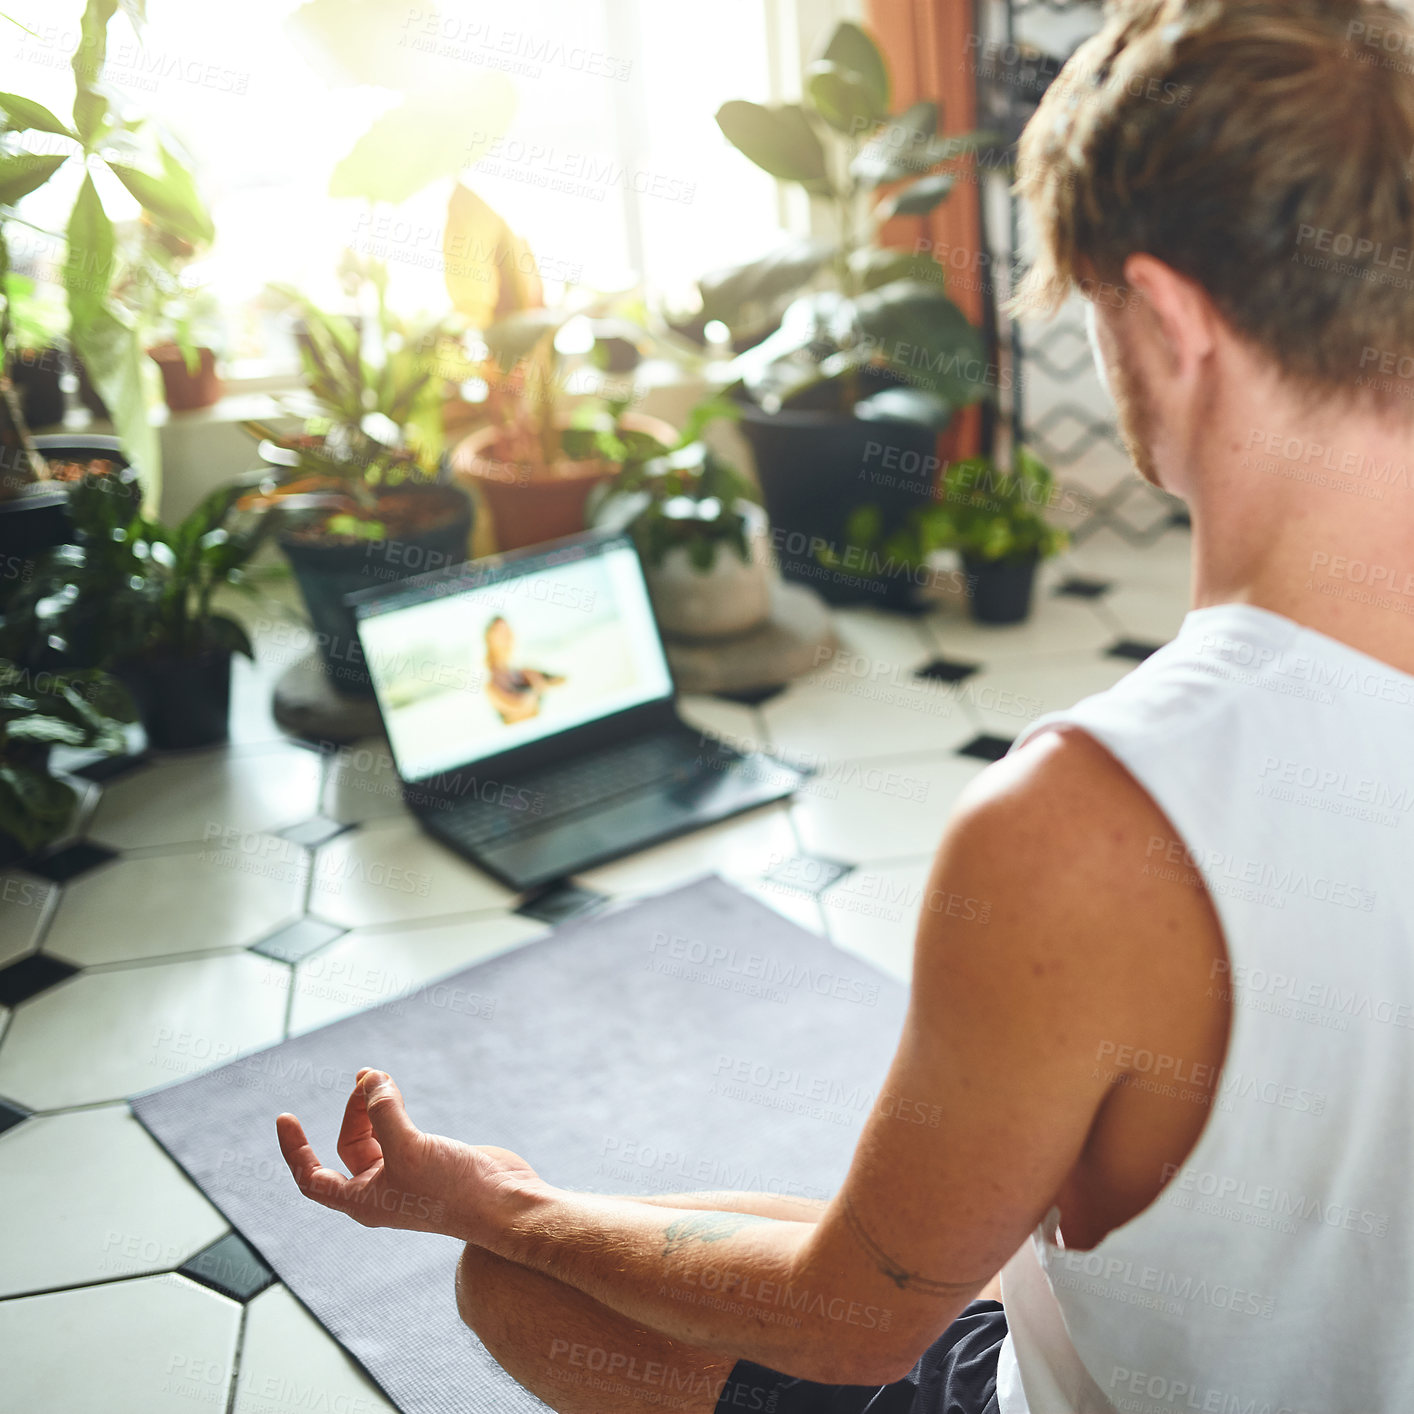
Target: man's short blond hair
[(1262, 148)]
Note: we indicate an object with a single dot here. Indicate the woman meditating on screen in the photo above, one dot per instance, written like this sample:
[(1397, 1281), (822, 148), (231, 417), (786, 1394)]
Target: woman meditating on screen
[(514, 692)]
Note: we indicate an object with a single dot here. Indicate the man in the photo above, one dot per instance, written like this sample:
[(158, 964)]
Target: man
[(1175, 1080)]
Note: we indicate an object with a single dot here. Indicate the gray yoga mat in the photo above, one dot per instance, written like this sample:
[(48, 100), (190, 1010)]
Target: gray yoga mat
[(696, 1040)]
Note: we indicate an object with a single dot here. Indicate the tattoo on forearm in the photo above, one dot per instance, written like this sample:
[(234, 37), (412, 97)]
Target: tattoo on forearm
[(705, 1227), (896, 1272)]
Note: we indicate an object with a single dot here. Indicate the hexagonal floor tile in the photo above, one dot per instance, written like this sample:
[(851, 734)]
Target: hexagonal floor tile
[(1153, 613), (858, 707), (194, 901), (24, 903), (363, 784), (286, 1350), (156, 1345), (366, 968), (108, 1035), (865, 810), (741, 848), (874, 912), (89, 1196), (1005, 700), (1056, 625), (392, 872), (216, 793)]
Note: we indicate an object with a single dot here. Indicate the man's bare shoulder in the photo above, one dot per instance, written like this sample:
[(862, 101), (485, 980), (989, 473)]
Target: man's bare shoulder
[(1074, 862)]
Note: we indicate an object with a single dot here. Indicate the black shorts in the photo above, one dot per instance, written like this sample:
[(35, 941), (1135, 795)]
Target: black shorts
[(956, 1375)]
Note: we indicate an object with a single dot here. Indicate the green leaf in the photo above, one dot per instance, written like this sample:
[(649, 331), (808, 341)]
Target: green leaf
[(516, 336), (34, 807), (842, 98), (851, 48), (225, 633), (918, 198), (927, 339), (24, 172), (778, 139), (706, 412), (426, 138), (864, 525), (90, 106), (900, 149), (22, 113), (46, 729), (136, 11), (881, 265), (89, 262), (728, 293), (171, 199)]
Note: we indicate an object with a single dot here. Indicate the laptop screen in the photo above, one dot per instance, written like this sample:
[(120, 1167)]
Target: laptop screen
[(471, 666)]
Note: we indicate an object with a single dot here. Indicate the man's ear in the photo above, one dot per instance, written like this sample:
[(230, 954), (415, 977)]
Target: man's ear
[(1176, 312)]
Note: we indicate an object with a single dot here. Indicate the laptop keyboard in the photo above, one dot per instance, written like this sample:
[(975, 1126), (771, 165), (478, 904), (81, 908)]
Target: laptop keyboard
[(572, 787)]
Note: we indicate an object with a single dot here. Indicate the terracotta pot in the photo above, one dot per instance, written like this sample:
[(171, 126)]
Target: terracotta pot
[(186, 391), (526, 509)]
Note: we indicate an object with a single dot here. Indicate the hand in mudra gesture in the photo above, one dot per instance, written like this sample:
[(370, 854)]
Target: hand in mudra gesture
[(398, 1176)]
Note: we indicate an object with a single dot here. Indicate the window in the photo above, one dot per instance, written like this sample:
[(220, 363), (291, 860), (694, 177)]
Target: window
[(612, 167)]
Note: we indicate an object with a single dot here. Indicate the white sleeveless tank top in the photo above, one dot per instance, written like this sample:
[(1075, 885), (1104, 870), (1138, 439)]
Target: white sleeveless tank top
[(1275, 1271)]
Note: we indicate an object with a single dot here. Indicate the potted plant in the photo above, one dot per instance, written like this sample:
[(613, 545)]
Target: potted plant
[(364, 494), (36, 362), (135, 597), (39, 711), (864, 360), (700, 534), (178, 319), (993, 518), (35, 144)]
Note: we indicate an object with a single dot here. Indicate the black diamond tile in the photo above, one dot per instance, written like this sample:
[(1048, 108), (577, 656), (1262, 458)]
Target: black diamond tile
[(231, 1266), (753, 696), (298, 940), (808, 873), (105, 768), (69, 863), (11, 1115), (1179, 517), (1132, 649), (561, 902), (945, 670), (986, 748), (30, 976), (1078, 587), (313, 833)]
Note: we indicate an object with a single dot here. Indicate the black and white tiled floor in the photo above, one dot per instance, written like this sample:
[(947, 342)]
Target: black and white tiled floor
[(242, 895)]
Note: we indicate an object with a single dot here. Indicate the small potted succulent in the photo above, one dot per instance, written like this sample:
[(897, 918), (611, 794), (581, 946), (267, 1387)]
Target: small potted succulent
[(136, 597), (700, 534), (38, 711), (364, 495), (854, 358)]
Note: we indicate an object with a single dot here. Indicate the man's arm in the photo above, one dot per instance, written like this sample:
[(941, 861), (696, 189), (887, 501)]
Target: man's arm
[(1001, 1071)]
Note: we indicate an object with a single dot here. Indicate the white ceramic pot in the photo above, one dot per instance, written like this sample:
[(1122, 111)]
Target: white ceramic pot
[(731, 598)]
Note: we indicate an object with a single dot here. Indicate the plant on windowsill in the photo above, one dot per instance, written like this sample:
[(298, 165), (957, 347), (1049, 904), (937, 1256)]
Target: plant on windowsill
[(869, 356), (135, 597), (362, 496), (700, 534), (994, 519), (39, 711)]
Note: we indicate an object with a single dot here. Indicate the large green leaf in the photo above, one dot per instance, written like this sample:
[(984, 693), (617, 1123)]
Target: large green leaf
[(512, 338), (91, 106), (914, 405), (851, 48), (89, 260), (46, 729), (923, 336), (24, 172), (881, 265), (842, 98), (918, 198), (729, 292), (170, 199), (778, 139), (22, 113), (34, 807), (427, 137), (900, 149)]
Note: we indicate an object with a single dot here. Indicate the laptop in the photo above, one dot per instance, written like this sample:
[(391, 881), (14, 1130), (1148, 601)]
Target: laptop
[(529, 707)]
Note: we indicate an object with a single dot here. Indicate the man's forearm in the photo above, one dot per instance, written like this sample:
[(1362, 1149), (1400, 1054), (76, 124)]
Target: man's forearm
[(731, 1282)]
